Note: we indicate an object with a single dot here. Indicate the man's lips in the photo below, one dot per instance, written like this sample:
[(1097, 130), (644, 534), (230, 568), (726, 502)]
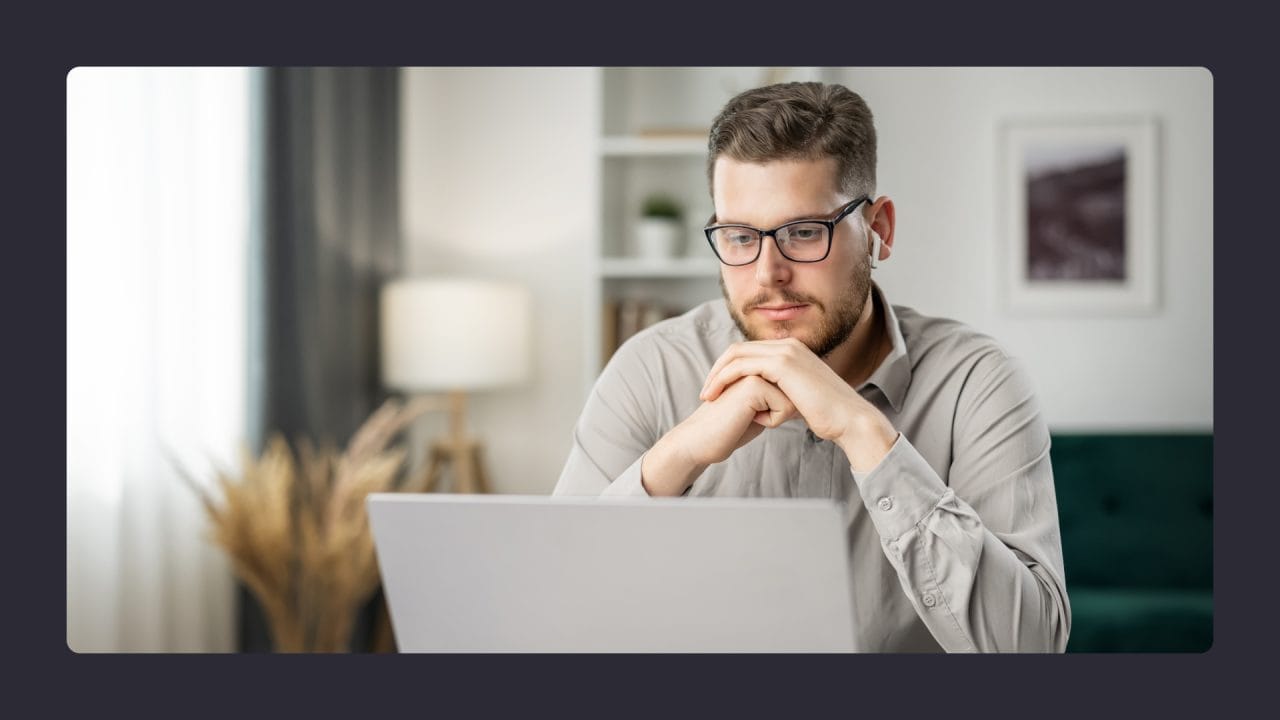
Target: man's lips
[(781, 312)]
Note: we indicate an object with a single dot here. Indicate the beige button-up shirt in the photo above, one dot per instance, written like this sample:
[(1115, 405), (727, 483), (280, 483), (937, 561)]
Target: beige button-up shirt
[(953, 537)]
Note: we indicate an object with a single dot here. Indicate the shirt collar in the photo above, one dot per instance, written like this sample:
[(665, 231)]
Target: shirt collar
[(894, 373)]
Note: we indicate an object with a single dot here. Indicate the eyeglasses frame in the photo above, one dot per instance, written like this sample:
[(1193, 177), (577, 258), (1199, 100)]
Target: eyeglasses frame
[(841, 214)]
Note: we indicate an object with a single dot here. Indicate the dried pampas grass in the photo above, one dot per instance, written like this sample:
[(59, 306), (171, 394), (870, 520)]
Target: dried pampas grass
[(297, 533)]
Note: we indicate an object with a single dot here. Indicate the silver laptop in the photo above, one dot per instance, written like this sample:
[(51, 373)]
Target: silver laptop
[(503, 573)]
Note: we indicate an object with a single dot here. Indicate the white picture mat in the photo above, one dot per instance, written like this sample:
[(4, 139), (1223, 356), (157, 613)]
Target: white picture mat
[(1138, 293)]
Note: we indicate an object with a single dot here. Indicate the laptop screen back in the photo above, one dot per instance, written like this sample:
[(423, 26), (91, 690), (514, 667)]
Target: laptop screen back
[(540, 574)]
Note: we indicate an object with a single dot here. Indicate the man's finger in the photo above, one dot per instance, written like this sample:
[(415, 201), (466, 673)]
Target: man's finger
[(778, 408), (737, 369), (732, 372), (755, 348)]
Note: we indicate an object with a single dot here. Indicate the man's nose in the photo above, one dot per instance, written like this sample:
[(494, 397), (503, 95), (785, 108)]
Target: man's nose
[(772, 269)]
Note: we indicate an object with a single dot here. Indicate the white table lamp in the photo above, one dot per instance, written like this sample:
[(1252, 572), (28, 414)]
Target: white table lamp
[(455, 336)]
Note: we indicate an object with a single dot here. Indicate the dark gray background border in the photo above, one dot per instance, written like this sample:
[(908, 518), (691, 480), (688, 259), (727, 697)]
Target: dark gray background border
[(1216, 36)]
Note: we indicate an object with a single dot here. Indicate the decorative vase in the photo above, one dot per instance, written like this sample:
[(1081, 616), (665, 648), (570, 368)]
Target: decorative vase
[(657, 238)]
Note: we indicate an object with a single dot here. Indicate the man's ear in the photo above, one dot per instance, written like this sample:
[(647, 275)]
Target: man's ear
[(882, 222)]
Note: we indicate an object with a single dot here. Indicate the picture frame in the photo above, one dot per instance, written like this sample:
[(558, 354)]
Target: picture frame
[(1079, 212)]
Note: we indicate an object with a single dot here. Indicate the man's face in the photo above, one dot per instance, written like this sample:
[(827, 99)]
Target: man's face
[(817, 303)]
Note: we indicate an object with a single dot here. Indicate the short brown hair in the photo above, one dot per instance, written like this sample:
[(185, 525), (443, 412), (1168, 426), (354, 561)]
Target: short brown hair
[(799, 121)]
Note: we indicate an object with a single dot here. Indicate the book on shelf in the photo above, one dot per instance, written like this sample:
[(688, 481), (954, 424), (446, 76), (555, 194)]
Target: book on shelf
[(623, 318), (609, 329)]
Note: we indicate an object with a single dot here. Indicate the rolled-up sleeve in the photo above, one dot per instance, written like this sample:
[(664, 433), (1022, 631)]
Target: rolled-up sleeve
[(980, 556)]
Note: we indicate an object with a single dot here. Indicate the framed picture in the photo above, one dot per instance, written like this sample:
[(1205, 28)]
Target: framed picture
[(1079, 215)]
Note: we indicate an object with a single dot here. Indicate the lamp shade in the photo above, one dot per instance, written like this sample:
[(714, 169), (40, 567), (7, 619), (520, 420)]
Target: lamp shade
[(454, 334)]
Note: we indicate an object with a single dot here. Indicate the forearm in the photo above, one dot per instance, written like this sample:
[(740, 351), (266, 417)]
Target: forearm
[(975, 590), (663, 470), (714, 431), (984, 597)]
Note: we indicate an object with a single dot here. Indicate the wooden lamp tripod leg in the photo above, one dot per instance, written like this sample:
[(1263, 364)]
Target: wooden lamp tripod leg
[(457, 455), (436, 465), (477, 462)]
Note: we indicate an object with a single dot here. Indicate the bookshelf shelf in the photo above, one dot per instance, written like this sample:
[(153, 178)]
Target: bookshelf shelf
[(673, 268), (640, 146)]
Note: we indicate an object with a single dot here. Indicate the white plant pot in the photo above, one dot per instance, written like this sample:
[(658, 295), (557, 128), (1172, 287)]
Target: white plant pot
[(657, 238)]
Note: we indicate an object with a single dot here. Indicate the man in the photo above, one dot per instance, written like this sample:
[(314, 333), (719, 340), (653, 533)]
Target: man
[(806, 382)]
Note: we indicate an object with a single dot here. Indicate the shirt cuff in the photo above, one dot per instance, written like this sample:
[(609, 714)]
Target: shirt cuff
[(628, 483), (901, 491)]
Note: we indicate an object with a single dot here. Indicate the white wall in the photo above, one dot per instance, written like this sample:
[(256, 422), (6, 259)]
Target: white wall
[(508, 151), (511, 152), (937, 160)]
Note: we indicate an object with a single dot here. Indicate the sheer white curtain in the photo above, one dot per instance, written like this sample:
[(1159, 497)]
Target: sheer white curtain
[(158, 206)]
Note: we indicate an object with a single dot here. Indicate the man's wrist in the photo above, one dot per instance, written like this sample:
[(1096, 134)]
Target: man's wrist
[(667, 470), (868, 441)]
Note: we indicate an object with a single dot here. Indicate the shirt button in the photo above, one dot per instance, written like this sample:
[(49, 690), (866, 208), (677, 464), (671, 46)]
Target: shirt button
[(885, 504), (929, 600)]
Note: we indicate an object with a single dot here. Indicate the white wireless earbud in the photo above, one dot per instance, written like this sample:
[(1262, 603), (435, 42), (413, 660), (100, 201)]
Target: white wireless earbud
[(875, 249)]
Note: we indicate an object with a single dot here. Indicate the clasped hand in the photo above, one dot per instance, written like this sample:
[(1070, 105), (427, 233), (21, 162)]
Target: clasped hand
[(761, 384)]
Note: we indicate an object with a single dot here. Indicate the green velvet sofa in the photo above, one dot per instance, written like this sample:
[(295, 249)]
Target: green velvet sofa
[(1136, 514)]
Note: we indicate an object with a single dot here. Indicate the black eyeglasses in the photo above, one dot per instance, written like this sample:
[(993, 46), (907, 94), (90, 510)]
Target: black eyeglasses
[(799, 240)]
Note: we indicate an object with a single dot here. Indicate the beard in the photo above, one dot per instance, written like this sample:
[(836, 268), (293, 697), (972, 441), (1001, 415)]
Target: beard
[(835, 324)]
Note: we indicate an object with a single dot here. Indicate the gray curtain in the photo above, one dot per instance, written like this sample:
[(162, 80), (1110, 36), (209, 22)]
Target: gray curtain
[(327, 140)]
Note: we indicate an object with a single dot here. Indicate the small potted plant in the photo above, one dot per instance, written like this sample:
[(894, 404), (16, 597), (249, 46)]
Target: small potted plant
[(660, 227)]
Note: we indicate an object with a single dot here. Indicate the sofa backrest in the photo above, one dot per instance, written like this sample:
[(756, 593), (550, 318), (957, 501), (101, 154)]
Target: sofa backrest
[(1135, 510)]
